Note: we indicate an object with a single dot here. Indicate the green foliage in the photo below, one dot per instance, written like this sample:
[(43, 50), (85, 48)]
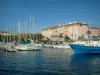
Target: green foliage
[(61, 35), (88, 32), (38, 37), (23, 37), (67, 38)]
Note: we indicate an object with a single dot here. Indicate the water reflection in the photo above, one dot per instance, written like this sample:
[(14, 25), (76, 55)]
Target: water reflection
[(49, 61), (85, 64)]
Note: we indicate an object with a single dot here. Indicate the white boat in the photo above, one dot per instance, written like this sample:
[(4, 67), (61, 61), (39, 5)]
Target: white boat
[(61, 46), (38, 45), (24, 47), (10, 47), (27, 47), (64, 45), (2, 45)]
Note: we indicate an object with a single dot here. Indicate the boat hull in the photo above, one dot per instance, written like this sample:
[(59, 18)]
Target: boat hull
[(81, 49)]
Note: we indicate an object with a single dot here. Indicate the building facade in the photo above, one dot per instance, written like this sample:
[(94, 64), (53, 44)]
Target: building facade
[(98, 31), (74, 30), (94, 31)]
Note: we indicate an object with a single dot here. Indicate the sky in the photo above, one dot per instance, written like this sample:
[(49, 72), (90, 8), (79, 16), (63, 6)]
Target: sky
[(47, 13)]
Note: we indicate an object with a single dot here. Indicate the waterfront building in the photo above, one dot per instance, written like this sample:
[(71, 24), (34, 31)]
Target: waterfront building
[(51, 32), (99, 31), (94, 31), (74, 30)]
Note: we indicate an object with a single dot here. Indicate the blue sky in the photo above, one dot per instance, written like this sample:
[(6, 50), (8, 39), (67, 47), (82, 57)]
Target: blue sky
[(48, 12)]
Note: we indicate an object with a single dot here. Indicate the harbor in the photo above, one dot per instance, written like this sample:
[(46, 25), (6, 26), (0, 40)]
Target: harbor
[(48, 61), (49, 37), (11, 47)]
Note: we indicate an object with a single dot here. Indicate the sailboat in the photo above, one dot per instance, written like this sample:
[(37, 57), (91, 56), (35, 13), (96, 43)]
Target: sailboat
[(36, 47), (10, 47), (21, 46), (27, 47)]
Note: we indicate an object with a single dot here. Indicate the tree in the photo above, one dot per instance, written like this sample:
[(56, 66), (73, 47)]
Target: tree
[(38, 37), (61, 35), (88, 32), (67, 38)]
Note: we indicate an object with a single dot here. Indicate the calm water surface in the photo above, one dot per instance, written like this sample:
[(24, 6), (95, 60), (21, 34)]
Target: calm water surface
[(49, 61)]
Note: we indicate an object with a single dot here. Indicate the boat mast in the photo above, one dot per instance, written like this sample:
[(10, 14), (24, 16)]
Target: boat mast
[(30, 26), (33, 29), (16, 31), (26, 29), (19, 31), (7, 35), (10, 32), (14, 34)]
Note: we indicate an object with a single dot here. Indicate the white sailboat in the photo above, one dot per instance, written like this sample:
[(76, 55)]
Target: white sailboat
[(10, 47), (23, 47), (34, 45), (27, 47)]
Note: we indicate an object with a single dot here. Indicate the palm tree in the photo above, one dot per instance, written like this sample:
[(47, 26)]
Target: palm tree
[(88, 32)]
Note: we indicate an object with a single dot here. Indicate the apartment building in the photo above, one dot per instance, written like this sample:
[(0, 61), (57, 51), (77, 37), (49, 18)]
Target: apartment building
[(94, 31), (73, 30)]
